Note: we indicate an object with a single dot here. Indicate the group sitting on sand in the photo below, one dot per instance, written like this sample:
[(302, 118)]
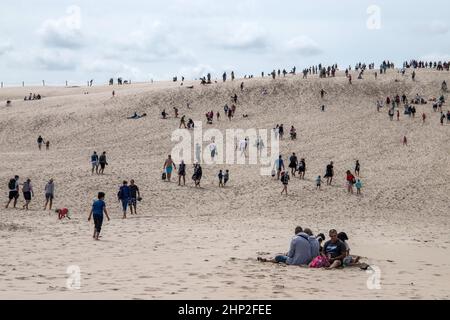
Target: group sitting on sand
[(32, 96), (307, 250)]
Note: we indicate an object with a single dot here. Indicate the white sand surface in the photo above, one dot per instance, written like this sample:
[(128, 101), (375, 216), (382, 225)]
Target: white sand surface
[(190, 243)]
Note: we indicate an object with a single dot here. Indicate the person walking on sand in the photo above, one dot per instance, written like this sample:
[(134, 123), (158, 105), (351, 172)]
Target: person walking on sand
[(302, 168), (318, 182), (13, 195), (94, 162), (293, 163), (49, 194), (322, 93), (279, 166), (405, 141), (28, 193), (329, 173), (281, 131), (220, 176), (40, 141), (169, 165), (47, 145), (197, 176), (113, 94), (97, 211), (226, 177), (182, 173), (357, 168), (398, 115), (135, 196), (183, 122), (350, 181), (358, 186), (102, 161), (284, 181), (213, 149), (424, 117), (124, 197)]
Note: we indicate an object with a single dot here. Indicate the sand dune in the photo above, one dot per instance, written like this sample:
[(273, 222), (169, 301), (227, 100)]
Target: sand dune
[(192, 243)]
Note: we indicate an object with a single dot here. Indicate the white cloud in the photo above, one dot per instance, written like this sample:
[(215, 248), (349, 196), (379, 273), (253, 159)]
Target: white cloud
[(56, 59), (303, 46), (64, 32), (433, 28), (112, 68), (197, 71), (5, 47), (248, 36), (151, 44), (438, 27)]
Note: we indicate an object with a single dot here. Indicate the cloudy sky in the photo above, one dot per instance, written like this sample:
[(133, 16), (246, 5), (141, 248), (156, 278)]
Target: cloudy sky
[(79, 40)]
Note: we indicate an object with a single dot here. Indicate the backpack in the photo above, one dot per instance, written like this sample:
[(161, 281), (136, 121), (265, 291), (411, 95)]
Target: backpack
[(319, 262), (12, 184)]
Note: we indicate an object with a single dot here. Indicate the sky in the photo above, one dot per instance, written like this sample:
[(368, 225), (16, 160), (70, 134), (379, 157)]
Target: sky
[(79, 40)]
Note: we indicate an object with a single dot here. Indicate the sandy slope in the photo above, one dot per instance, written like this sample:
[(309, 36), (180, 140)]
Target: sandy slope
[(202, 243)]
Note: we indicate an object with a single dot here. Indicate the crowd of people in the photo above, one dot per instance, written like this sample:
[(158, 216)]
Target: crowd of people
[(394, 104), (335, 251), (296, 166), (420, 64)]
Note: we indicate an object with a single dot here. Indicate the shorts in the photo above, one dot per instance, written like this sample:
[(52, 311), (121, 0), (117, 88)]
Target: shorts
[(169, 170), (13, 195), (102, 165), (132, 202), (49, 196), (281, 259), (27, 196), (98, 221), (125, 204), (347, 261), (94, 164)]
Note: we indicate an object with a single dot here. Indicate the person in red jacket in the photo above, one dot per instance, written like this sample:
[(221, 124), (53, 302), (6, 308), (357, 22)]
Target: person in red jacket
[(350, 181)]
